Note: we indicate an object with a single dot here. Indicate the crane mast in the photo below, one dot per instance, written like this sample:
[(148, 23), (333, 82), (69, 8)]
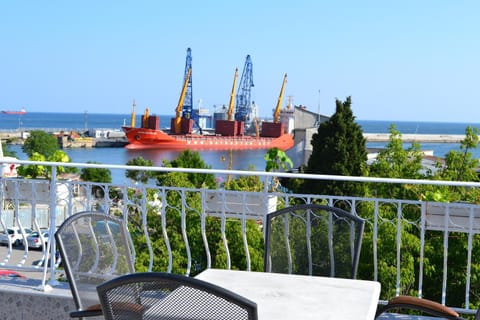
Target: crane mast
[(178, 118), (187, 108), (132, 117), (276, 113), (231, 105), (243, 101)]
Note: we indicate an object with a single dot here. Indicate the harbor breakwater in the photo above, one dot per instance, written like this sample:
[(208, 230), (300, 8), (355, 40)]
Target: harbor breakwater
[(411, 137), (70, 139)]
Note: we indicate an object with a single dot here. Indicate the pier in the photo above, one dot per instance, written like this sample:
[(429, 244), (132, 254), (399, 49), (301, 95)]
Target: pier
[(427, 138), (109, 138)]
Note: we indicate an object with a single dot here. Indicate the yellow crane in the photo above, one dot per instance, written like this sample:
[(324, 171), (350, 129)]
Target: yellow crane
[(178, 117), (231, 105), (132, 118), (276, 113), (146, 114)]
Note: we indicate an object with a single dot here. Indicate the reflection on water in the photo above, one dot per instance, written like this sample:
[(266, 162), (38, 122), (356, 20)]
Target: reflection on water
[(240, 159)]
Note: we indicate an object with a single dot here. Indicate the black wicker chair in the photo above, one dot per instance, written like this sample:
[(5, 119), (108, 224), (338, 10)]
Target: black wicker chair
[(95, 248), (155, 295), (312, 239)]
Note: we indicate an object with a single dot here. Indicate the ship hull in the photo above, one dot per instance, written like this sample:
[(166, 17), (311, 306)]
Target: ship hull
[(143, 138), (13, 112)]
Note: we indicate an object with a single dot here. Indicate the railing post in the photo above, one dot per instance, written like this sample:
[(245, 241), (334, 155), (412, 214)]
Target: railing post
[(53, 219)]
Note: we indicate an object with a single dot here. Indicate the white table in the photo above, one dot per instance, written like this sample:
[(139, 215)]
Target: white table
[(283, 296)]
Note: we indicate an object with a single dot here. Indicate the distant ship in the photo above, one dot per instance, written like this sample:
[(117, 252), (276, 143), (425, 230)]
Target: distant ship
[(21, 111)]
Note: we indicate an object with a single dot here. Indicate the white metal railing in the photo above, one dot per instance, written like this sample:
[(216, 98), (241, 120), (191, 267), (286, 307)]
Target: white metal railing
[(151, 212)]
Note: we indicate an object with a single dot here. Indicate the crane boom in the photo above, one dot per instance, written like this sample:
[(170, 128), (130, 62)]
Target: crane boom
[(243, 103), (178, 118), (231, 105), (276, 113)]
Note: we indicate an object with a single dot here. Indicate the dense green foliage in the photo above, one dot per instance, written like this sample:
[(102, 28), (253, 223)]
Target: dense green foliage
[(189, 159), (139, 175), (338, 149), (42, 146), (460, 165), (396, 162), (101, 175), (40, 142), (276, 160), (35, 171)]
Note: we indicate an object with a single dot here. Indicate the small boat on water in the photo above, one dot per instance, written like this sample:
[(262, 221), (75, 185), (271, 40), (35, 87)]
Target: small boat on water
[(21, 111)]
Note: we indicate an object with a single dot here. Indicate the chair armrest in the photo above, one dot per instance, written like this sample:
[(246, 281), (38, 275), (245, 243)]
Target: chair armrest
[(423, 305), (91, 311)]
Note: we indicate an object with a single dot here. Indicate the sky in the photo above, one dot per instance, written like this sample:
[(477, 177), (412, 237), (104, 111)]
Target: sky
[(405, 60)]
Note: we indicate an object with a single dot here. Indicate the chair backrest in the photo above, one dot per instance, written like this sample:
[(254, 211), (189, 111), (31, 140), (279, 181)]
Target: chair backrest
[(95, 248), (157, 295), (313, 239)]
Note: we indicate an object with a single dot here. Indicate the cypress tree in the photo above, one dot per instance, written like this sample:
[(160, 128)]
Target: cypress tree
[(339, 148)]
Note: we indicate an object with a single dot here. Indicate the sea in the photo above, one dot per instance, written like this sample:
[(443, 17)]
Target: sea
[(238, 160)]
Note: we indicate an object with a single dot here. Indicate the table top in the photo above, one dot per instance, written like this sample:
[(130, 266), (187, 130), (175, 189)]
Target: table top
[(284, 296)]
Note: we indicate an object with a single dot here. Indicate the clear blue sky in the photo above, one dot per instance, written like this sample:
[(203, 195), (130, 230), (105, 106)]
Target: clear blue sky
[(399, 60)]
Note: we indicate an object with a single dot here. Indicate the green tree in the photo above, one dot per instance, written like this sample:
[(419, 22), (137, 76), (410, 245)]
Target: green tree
[(339, 148), (461, 166), (31, 170), (458, 166), (34, 171), (61, 156), (139, 175), (41, 142), (245, 183), (394, 161), (276, 160), (190, 159), (101, 175)]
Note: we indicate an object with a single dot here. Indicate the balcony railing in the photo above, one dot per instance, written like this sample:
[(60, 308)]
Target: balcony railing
[(411, 247)]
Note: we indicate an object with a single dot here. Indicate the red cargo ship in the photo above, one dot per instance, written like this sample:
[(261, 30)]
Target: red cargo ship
[(22, 111), (147, 138), (229, 134)]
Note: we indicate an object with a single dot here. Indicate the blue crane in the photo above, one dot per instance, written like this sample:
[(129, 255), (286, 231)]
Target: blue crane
[(187, 110), (243, 108)]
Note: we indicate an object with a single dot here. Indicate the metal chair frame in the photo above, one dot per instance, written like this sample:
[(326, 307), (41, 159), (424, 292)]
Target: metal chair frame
[(315, 212), (95, 247), (158, 295)]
